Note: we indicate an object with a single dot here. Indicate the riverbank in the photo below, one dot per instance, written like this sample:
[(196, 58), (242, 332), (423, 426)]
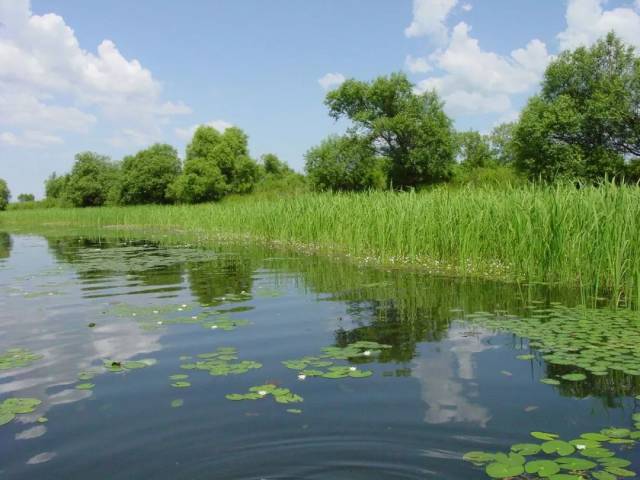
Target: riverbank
[(588, 237)]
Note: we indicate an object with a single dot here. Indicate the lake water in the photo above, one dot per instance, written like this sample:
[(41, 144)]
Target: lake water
[(443, 388)]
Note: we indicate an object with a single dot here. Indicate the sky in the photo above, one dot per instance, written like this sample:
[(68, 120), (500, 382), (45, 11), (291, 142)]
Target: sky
[(115, 77)]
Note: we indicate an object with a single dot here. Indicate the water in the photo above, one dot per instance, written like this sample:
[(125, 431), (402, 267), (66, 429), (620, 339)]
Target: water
[(444, 388)]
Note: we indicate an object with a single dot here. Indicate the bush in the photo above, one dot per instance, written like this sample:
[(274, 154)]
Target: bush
[(147, 175)]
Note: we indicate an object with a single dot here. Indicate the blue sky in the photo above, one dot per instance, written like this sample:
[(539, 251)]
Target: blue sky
[(114, 77)]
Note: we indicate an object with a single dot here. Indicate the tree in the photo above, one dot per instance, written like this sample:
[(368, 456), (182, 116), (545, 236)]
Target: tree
[(586, 120), (474, 150), (223, 159), (26, 197), (409, 129), (147, 175), (274, 166), (5, 195), (55, 186), (501, 143), (94, 181), (345, 163)]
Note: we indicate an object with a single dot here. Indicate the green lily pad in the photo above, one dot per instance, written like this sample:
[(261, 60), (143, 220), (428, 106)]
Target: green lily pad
[(559, 447), (574, 377), (181, 384), (544, 436), (504, 470), (543, 468), (85, 386)]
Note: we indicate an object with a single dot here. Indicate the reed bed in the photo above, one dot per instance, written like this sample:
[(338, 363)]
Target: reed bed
[(589, 237)]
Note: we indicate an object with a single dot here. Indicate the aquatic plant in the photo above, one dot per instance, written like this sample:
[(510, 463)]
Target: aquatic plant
[(11, 407), (280, 395), (588, 237), (122, 366), (221, 363), (596, 341), (17, 358), (553, 458)]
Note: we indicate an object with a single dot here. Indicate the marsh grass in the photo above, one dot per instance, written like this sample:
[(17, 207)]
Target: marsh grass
[(588, 237)]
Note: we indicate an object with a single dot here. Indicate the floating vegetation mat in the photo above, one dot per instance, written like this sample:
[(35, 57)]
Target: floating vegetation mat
[(17, 358), (322, 366), (16, 406), (591, 456), (597, 341), (280, 395), (152, 318), (221, 363)]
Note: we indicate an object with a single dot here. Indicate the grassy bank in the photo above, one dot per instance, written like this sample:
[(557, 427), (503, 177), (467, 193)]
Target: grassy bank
[(588, 237)]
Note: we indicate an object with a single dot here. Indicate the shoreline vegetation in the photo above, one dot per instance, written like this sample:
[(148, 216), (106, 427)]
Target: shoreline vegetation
[(588, 237)]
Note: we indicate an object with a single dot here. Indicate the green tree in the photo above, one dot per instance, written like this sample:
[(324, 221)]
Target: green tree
[(94, 181), (474, 150), (222, 159), (501, 143), (147, 175), (55, 186), (345, 163), (586, 120), (5, 195), (26, 197), (274, 166), (410, 129)]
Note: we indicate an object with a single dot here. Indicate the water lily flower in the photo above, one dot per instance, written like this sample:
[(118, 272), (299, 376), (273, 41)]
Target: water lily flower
[(180, 309), (366, 353), (262, 393), (194, 317), (213, 327), (184, 305), (156, 311), (160, 322), (302, 376), (353, 369), (581, 447)]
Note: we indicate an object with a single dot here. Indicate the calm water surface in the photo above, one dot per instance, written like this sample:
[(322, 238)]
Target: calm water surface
[(444, 388)]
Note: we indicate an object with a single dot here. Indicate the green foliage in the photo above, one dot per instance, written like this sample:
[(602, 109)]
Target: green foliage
[(501, 143), (410, 130), (474, 150), (94, 181), (274, 166), (345, 163), (147, 175), (5, 195), (26, 197), (586, 120), (55, 186), (216, 164), (496, 176)]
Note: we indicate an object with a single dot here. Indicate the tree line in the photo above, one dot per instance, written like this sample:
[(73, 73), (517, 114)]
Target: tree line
[(583, 126)]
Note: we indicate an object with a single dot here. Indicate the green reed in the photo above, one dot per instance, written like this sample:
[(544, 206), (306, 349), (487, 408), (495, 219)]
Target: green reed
[(588, 237)]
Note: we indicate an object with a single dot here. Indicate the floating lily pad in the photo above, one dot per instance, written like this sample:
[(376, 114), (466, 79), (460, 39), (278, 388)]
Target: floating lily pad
[(543, 468), (85, 386), (280, 395), (17, 358), (574, 377), (181, 384), (16, 406)]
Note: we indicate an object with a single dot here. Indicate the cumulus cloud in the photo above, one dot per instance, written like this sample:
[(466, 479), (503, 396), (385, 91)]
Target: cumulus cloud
[(49, 82), (331, 80), (587, 21), (187, 133), (417, 64), (429, 19), (476, 81), (467, 7)]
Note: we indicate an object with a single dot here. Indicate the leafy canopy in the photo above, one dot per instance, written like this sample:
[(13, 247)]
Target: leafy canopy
[(5, 194), (94, 181), (586, 120), (147, 175), (409, 129)]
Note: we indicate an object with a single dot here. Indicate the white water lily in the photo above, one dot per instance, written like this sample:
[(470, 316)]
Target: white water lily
[(353, 369), (194, 318), (302, 376), (581, 447), (180, 309), (184, 305), (156, 312), (213, 327), (366, 353), (134, 314), (262, 393), (160, 322)]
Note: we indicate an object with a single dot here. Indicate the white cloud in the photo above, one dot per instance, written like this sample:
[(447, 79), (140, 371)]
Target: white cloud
[(587, 21), (187, 133), (477, 81), (467, 7), (49, 82), (429, 17), (331, 80), (31, 139), (417, 64)]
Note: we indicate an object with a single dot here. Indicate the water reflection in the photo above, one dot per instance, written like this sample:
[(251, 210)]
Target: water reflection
[(432, 374)]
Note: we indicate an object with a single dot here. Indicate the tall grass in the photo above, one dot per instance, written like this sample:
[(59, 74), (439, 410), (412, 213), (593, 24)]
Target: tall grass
[(589, 237)]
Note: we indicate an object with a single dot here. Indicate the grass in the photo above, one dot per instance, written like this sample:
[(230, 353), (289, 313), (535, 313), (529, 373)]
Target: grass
[(588, 237)]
